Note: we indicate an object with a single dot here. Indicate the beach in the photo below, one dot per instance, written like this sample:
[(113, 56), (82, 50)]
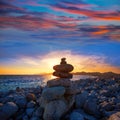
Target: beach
[(87, 99)]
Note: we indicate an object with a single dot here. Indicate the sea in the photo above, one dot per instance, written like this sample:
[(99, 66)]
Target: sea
[(10, 82)]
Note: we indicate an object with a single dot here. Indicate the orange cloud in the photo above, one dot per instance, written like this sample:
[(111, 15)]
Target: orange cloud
[(102, 15)]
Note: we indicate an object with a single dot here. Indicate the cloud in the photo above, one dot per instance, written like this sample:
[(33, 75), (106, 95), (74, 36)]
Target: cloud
[(100, 15), (44, 63)]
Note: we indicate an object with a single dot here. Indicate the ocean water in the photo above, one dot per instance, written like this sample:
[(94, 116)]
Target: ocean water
[(10, 82)]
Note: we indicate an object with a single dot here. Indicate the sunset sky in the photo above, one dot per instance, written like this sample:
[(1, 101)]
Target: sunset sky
[(35, 34)]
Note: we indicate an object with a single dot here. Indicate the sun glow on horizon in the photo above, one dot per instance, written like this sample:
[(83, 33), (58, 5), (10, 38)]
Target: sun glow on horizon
[(44, 64)]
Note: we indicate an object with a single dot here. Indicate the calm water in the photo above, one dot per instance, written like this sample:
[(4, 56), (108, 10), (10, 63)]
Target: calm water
[(10, 82)]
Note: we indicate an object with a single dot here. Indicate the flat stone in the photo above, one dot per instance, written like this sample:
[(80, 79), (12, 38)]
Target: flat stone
[(63, 68), (63, 75), (59, 82), (53, 93)]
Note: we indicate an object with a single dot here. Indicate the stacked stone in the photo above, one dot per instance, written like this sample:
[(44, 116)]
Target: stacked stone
[(63, 70), (55, 99)]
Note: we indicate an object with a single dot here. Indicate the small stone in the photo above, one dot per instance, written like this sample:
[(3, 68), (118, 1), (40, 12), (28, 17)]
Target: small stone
[(31, 104), (34, 118), (25, 117), (29, 111), (31, 96), (76, 116), (38, 112), (20, 101)]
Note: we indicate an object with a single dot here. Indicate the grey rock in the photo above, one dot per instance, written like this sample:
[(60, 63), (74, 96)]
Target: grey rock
[(38, 112), (25, 117), (80, 99), (76, 116), (29, 111), (54, 110), (91, 107), (31, 104), (53, 93), (59, 82), (35, 118), (21, 101), (7, 110)]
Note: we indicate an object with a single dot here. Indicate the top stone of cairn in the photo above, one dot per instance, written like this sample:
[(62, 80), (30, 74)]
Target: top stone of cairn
[(62, 70)]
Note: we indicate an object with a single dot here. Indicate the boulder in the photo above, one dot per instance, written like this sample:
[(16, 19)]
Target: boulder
[(80, 99), (7, 110), (76, 116), (115, 116), (54, 110), (53, 93), (63, 68), (59, 82)]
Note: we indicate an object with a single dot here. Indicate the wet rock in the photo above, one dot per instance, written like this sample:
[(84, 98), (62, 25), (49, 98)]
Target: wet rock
[(38, 112), (76, 116), (31, 104), (29, 111), (20, 101), (91, 107), (7, 110), (80, 99), (54, 110), (34, 118), (53, 93), (25, 117)]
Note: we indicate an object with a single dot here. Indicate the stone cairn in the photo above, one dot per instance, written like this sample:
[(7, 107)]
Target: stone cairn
[(58, 96), (63, 69)]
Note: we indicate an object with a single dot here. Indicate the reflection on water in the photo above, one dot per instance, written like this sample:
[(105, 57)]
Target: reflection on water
[(10, 82)]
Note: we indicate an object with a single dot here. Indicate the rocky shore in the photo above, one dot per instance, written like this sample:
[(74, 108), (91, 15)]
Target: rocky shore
[(62, 99)]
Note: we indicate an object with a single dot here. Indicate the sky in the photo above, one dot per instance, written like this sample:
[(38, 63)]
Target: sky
[(36, 34)]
